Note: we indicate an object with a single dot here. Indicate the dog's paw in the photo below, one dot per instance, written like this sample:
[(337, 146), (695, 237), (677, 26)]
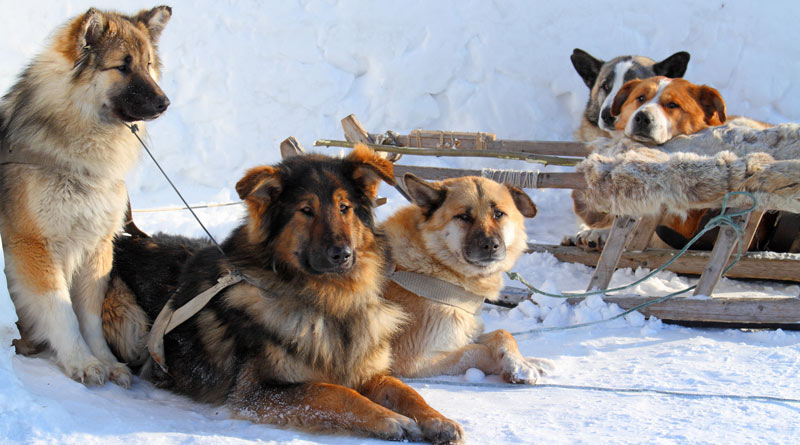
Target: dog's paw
[(526, 370), (545, 366), (398, 427), (441, 430), (589, 239), (89, 372), (120, 374)]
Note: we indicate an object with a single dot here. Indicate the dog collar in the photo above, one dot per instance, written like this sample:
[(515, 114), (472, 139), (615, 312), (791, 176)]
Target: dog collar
[(437, 290)]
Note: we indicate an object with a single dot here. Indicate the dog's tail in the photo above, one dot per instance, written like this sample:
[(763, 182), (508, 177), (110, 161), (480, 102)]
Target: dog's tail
[(125, 324)]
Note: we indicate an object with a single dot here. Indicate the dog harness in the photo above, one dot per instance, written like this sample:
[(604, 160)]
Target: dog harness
[(439, 291)]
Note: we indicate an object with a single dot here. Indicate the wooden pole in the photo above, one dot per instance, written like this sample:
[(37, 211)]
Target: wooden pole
[(539, 159)]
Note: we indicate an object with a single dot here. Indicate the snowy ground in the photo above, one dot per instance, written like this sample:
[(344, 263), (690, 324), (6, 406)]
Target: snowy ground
[(242, 76)]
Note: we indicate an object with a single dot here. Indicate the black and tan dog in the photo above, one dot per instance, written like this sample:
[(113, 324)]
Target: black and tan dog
[(305, 341), (65, 153), (465, 232)]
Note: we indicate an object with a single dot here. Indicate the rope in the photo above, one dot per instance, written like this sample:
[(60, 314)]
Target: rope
[(202, 206), (690, 395), (518, 178), (722, 219), (134, 129)]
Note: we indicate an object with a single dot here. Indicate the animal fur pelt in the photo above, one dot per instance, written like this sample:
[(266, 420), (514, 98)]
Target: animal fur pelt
[(625, 177)]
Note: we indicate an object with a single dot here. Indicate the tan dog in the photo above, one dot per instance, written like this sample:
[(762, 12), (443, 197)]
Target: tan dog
[(65, 153), (464, 232)]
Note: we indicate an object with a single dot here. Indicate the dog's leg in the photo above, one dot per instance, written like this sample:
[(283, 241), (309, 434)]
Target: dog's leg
[(453, 363), (515, 368), (401, 398), (41, 297), (317, 407), (88, 292)]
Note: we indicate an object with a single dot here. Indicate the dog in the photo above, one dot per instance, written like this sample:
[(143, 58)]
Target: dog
[(65, 152), (605, 79), (654, 111), (304, 341), (464, 232)]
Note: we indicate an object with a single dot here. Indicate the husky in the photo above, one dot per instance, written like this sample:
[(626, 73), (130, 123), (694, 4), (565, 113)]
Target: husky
[(66, 149)]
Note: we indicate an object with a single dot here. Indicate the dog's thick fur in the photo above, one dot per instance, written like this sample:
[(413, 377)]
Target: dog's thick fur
[(305, 341), (465, 231), (605, 79), (63, 198)]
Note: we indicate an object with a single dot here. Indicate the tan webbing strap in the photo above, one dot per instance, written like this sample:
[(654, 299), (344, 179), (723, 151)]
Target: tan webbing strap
[(168, 319), (9, 155), (438, 290)]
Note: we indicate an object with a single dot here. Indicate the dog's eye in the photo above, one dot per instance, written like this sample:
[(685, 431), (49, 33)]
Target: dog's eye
[(499, 214), (464, 217), (673, 105), (123, 68), (641, 99), (606, 87), (307, 210), (343, 208)]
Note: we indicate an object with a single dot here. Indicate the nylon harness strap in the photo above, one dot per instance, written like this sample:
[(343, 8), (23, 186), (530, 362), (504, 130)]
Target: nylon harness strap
[(439, 291), (8, 155), (169, 318)]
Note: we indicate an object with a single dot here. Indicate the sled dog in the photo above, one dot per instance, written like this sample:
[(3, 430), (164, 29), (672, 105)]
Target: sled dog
[(463, 232), (65, 153), (304, 341)]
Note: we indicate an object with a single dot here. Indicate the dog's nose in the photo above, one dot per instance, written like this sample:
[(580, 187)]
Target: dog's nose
[(607, 118), (643, 119), (161, 103), (339, 254), (488, 244)]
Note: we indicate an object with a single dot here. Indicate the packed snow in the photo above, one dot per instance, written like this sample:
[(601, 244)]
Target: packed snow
[(242, 76)]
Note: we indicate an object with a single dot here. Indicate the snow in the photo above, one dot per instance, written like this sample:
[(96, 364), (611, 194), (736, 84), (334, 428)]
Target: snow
[(244, 75)]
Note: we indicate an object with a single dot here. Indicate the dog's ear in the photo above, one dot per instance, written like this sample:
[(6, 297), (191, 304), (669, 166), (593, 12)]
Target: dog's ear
[(622, 96), (370, 169), (154, 20), (713, 105), (429, 196), (673, 66), (523, 202), (90, 30), (260, 185), (587, 66)]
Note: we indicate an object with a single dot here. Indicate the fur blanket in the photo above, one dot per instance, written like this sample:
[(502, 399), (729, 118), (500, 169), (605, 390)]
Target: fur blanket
[(625, 177)]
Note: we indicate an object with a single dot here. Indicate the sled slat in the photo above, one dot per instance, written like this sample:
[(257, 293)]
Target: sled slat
[(758, 265), (612, 252), (724, 309), (720, 254), (467, 141), (546, 180)]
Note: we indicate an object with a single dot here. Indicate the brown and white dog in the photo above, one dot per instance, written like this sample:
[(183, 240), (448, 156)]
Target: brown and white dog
[(464, 232), (653, 111)]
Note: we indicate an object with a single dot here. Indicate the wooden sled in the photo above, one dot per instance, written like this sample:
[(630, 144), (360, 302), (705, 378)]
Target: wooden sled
[(628, 238)]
